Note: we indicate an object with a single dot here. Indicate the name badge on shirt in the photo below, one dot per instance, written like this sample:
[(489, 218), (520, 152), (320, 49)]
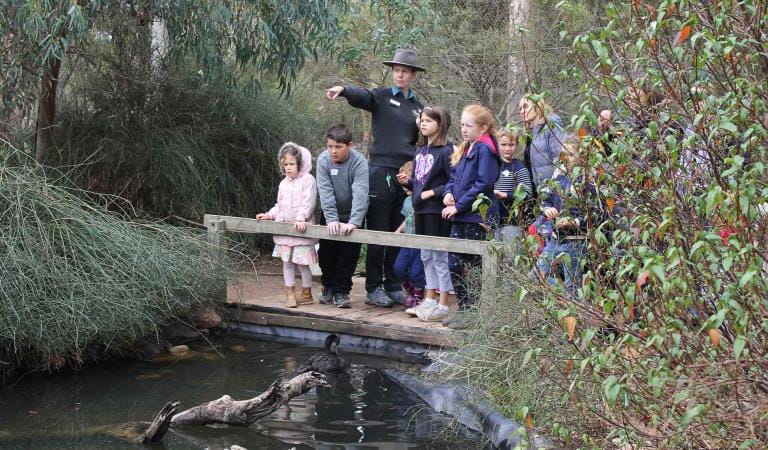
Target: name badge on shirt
[(394, 102), (334, 171)]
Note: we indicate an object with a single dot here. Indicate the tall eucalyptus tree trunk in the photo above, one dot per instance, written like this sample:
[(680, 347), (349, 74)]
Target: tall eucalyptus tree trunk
[(159, 45), (519, 11), (46, 110)]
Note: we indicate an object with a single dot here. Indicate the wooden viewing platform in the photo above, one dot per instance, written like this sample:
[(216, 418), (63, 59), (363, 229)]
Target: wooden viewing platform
[(260, 296), (261, 300)]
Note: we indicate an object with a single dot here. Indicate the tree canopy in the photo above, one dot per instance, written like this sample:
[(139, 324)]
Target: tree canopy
[(271, 36)]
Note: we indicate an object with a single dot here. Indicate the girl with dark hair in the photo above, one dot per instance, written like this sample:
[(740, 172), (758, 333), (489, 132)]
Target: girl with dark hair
[(431, 172)]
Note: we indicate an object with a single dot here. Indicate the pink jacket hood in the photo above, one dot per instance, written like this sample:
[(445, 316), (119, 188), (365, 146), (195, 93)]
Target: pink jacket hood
[(306, 160)]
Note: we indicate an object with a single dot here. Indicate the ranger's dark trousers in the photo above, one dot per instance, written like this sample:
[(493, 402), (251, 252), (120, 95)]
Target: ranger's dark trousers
[(386, 197)]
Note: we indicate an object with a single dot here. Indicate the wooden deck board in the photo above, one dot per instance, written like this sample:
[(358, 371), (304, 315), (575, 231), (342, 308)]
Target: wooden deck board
[(262, 302)]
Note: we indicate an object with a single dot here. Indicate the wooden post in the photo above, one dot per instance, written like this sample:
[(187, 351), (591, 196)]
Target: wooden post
[(491, 256), (216, 228)]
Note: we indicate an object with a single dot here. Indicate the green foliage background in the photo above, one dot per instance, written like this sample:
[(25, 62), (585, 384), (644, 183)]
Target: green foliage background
[(663, 346)]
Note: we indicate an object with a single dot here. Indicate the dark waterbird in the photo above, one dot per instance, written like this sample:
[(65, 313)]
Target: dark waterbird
[(327, 362)]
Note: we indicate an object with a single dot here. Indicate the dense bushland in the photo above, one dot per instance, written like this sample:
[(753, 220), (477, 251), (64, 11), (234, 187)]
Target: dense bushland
[(189, 149), (664, 344)]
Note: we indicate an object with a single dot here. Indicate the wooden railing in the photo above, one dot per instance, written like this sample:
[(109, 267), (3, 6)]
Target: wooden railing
[(218, 225)]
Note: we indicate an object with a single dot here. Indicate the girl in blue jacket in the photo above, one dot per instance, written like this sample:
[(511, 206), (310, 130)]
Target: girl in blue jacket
[(475, 170)]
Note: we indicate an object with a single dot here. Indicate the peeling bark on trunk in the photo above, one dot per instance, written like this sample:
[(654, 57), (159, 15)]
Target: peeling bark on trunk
[(519, 11), (159, 46), (232, 412), (46, 111)]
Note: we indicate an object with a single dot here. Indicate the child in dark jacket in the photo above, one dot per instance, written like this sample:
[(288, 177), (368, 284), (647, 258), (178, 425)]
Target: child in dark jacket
[(430, 174), (408, 265), (567, 212), (513, 174), (475, 170)]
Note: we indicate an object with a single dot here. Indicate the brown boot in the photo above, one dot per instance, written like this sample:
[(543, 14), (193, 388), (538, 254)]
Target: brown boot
[(290, 298), (306, 297)]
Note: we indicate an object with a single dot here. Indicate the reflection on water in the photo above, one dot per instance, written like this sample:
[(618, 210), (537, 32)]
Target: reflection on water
[(363, 409)]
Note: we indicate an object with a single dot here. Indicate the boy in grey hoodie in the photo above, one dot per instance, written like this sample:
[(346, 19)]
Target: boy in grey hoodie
[(342, 182)]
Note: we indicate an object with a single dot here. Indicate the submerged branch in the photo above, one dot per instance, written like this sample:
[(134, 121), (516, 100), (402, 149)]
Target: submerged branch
[(160, 425), (232, 412)]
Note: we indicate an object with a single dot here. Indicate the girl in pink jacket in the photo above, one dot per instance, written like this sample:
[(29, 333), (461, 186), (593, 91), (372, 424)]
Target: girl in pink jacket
[(296, 199)]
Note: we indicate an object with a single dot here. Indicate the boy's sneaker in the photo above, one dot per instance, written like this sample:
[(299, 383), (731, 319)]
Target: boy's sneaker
[(378, 298), (326, 297), (399, 296), (435, 314), (342, 301)]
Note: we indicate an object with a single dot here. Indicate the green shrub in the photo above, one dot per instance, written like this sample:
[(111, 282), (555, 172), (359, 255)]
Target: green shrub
[(664, 344), (183, 148)]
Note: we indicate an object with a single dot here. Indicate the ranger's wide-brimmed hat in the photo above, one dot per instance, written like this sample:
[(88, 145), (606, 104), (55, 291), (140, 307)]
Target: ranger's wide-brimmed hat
[(405, 57)]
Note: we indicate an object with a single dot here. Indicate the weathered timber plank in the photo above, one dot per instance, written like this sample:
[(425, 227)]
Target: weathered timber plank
[(397, 333), (306, 311), (351, 313), (246, 225), (387, 315), (378, 316), (363, 315)]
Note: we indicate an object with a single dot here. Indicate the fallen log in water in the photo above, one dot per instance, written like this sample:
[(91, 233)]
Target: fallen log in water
[(229, 411)]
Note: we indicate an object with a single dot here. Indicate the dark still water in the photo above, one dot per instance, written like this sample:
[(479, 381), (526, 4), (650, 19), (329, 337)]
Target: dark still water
[(363, 410)]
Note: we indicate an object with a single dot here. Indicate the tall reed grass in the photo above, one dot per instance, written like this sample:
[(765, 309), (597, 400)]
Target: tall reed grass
[(75, 276)]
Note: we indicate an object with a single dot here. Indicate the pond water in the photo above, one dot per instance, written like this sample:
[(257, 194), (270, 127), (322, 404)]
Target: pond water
[(363, 410)]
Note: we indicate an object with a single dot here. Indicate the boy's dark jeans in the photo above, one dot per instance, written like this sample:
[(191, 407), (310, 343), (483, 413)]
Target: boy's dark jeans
[(385, 202), (338, 261)]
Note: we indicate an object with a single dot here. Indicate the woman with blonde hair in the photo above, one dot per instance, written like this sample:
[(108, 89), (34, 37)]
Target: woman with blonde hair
[(545, 145)]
